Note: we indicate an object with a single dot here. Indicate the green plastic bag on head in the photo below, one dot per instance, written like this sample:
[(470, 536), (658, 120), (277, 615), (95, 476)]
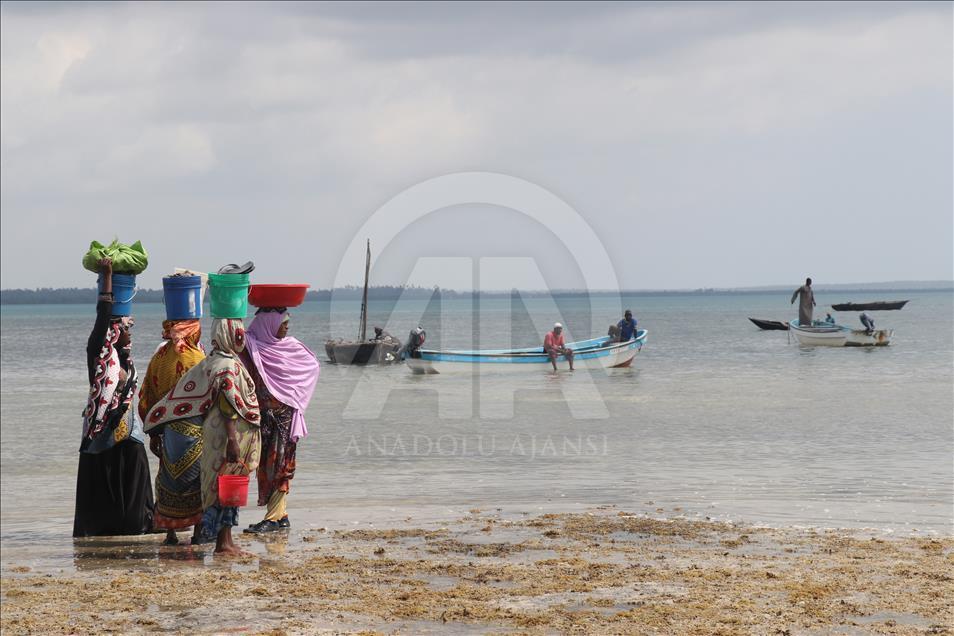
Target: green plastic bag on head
[(127, 259)]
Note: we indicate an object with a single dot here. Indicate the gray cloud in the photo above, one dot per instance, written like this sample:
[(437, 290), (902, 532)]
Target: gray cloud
[(700, 141)]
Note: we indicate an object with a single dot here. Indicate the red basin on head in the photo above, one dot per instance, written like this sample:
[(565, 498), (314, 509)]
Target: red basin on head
[(277, 295)]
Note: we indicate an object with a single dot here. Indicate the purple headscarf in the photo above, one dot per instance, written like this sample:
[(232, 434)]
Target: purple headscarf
[(288, 368)]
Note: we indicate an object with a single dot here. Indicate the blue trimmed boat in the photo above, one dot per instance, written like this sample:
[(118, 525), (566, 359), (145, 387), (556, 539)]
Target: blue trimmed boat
[(822, 334), (596, 353)]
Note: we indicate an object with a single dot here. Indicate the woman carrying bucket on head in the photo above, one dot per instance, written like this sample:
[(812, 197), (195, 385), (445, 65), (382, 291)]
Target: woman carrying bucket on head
[(285, 372), (179, 444), (113, 487), (218, 394)]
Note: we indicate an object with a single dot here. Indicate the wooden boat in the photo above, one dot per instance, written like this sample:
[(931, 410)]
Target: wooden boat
[(596, 353), (770, 325), (833, 335), (362, 350), (880, 305), (349, 352)]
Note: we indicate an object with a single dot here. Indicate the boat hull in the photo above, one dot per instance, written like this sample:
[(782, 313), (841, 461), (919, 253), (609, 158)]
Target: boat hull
[(881, 305), (877, 338), (839, 336), (769, 325), (597, 353), (361, 352)]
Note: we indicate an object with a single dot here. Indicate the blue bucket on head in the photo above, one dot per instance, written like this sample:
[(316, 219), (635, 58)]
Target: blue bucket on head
[(183, 297), (124, 289)]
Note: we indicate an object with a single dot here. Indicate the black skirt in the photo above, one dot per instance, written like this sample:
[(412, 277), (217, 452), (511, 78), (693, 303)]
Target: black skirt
[(113, 492)]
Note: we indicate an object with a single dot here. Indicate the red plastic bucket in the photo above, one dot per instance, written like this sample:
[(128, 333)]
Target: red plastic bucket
[(233, 489)]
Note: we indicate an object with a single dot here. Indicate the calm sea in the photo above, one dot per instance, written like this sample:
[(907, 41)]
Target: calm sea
[(715, 418)]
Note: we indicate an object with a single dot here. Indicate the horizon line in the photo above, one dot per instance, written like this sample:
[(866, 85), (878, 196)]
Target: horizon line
[(896, 285)]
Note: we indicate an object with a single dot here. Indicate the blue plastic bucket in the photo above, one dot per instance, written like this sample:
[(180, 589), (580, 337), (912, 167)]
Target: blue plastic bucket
[(124, 290), (183, 297), (228, 295)]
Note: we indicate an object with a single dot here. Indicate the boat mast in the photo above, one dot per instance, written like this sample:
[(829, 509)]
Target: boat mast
[(363, 334)]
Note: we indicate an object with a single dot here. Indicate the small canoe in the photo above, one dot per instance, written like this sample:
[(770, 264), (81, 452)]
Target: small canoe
[(770, 325), (881, 305), (839, 336), (596, 353)]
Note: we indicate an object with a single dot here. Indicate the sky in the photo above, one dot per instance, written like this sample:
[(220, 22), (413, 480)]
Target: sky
[(701, 144)]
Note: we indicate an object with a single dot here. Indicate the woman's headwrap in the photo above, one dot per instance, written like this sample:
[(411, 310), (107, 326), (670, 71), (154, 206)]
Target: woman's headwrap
[(228, 335), (288, 368), (183, 334)]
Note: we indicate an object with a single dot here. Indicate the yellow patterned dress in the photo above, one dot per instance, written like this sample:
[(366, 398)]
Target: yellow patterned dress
[(178, 494)]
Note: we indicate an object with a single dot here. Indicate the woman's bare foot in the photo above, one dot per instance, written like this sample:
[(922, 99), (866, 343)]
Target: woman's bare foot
[(224, 545), (231, 550), (171, 538)]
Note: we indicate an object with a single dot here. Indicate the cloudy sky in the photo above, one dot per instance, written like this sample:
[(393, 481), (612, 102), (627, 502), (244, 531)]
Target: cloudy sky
[(704, 144)]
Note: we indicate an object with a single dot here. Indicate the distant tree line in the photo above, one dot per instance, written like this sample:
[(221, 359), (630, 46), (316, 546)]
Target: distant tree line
[(78, 295), (66, 296), (81, 295)]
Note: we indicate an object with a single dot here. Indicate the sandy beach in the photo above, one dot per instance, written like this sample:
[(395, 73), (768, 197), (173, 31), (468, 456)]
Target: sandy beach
[(605, 571)]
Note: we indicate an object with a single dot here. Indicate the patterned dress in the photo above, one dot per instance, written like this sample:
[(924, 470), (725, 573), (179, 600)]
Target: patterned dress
[(213, 393), (178, 485), (113, 485), (277, 467)]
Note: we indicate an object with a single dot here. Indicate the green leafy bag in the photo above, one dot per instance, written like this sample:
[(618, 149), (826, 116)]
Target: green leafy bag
[(127, 259)]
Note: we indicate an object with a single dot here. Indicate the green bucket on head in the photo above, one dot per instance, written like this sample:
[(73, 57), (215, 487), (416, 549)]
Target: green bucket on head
[(228, 295)]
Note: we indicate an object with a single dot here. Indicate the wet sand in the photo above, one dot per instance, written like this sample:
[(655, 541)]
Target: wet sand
[(606, 572)]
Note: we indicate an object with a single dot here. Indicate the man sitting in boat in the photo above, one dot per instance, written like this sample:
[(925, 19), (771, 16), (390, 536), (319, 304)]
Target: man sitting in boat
[(613, 334), (555, 346), (829, 319), (380, 335), (627, 327)]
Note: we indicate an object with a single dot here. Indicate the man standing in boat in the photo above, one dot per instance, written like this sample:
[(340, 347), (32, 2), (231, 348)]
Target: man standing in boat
[(555, 346), (806, 303)]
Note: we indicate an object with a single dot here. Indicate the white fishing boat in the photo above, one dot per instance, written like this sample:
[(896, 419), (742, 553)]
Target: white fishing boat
[(833, 335), (596, 353)]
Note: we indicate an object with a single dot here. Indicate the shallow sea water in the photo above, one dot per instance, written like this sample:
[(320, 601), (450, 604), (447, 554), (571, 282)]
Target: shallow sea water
[(715, 419)]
